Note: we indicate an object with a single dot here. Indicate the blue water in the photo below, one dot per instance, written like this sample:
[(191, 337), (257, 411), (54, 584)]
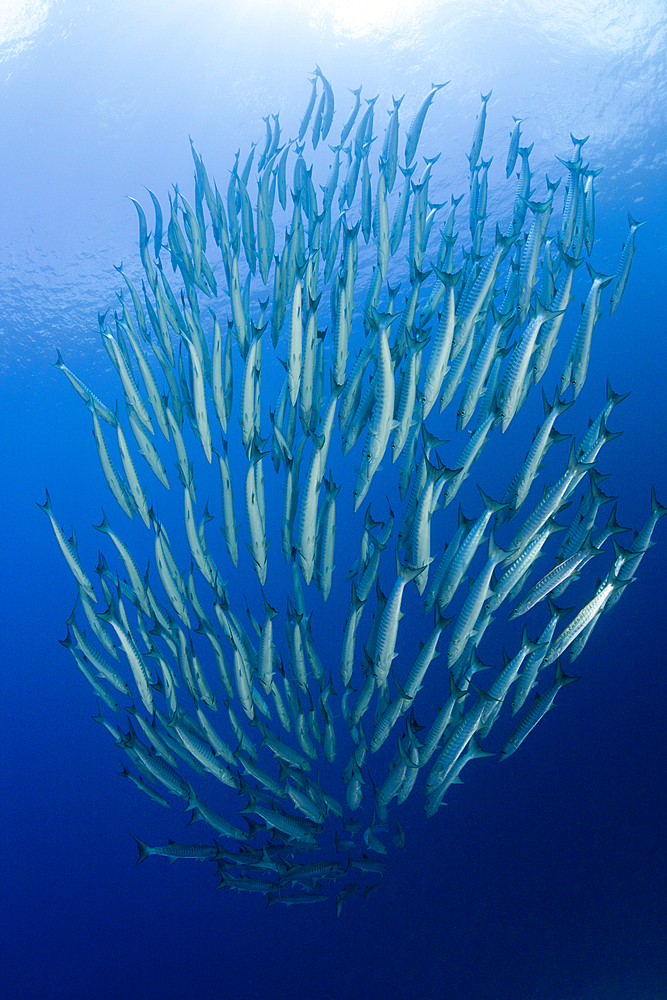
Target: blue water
[(543, 876)]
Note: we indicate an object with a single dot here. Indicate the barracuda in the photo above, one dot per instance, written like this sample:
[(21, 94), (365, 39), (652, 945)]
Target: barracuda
[(417, 124), (286, 643), (539, 709), (624, 265), (576, 365)]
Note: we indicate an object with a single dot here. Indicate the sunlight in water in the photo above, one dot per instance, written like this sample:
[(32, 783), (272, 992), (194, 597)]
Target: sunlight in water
[(19, 21), (361, 18), (608, 25)]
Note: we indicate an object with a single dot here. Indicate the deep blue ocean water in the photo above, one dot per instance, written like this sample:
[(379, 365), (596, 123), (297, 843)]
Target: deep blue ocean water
[(544, 876)]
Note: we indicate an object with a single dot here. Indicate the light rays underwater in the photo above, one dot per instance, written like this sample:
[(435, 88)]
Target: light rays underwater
[(284, 697)]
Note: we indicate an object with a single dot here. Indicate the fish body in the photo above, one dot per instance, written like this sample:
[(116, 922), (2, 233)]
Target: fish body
[(417, 124), (624, 265)]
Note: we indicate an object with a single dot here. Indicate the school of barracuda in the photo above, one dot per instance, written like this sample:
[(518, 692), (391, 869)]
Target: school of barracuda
[(296, 716)]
